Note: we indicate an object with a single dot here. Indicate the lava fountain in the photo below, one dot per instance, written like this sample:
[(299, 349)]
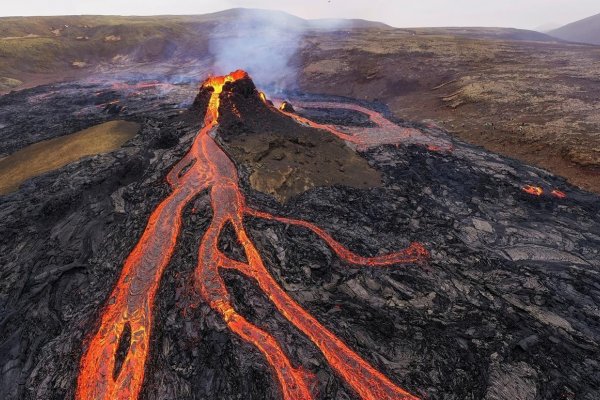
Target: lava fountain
[(113, 363)]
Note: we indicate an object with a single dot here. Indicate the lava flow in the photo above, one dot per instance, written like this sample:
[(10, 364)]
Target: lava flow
[(113, 363), (385, 132), (533, 190)]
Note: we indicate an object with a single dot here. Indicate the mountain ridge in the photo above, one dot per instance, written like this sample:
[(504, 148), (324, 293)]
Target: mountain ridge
[(585, 30)]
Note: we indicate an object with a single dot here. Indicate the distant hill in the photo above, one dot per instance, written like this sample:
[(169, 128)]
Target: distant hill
[(547, 27), (284, 20), (64, 47), (488, 33), (583, 31)]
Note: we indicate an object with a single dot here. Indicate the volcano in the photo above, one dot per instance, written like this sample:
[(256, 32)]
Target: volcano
[(130, 306), (297, 248)]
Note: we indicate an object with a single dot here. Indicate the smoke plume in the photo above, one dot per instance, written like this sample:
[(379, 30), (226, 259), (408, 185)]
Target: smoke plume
[(261, 43)]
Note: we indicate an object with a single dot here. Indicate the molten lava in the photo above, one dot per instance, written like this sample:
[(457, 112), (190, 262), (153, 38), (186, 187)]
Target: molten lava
[(558, 194), (533, 190), (128, 313), (262, 96), (123, 86)]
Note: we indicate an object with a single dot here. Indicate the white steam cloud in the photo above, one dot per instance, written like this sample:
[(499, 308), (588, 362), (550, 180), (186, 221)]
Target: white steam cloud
[(261, 43)]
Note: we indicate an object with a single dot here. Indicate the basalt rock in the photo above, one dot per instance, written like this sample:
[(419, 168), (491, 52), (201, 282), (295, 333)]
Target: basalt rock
[(506, 306)]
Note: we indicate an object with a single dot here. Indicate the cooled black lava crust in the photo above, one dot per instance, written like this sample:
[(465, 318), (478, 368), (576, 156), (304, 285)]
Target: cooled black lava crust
[(507, 307)]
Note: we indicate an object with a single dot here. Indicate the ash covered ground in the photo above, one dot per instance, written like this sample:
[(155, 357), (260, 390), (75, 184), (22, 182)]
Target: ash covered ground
[(505, 308)]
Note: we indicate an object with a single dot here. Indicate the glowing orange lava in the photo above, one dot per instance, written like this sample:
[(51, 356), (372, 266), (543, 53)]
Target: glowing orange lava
[(140, 85), (130, 304), (262, 96), (558, 194), (533, 190)]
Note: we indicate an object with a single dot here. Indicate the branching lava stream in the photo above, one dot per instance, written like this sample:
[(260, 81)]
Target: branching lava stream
[(130, 305)]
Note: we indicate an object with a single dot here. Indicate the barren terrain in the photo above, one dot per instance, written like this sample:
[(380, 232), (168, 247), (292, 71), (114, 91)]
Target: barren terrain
[(538, 102)]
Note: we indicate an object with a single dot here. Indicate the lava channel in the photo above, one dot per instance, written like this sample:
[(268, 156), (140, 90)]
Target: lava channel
[(127, 316), (384, 132)]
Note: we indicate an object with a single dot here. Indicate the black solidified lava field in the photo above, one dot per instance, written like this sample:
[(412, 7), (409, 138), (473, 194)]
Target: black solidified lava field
[(506, 307)]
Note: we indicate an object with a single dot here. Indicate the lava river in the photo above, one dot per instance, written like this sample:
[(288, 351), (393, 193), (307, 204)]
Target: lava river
[(113, 363)]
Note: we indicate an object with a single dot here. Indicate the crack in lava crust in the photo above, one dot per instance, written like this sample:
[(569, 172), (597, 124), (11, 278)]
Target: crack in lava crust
[(206, 166)]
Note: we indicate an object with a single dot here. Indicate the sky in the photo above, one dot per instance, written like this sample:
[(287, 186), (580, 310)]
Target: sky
[(527, 14)]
